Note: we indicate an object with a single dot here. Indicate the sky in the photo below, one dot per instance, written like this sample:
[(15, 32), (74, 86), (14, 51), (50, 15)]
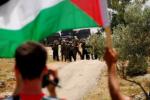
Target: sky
[(148, 3)]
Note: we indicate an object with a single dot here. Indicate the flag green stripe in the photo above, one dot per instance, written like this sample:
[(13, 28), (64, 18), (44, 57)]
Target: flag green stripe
[(64, 15)]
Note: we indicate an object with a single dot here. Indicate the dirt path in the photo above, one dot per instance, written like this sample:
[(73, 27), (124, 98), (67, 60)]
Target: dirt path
[(78, 78)]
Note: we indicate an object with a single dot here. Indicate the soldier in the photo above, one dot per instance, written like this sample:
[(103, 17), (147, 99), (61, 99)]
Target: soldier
[(55, 50), (71, 52), (63, 50), (96, 53), (67, 51), (76, 50), (84, 51)]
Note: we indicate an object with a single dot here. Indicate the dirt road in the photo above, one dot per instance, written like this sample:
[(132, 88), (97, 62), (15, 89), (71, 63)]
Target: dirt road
[(78, 78)]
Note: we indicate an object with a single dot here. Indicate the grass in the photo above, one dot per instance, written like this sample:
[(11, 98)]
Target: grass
[(101, 92), (7, 75)]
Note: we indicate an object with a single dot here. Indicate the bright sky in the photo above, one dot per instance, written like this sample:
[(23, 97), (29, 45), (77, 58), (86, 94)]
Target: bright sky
[(148, 3)]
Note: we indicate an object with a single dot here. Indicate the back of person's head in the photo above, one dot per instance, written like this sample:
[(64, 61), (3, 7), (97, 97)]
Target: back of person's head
[(30, 60)]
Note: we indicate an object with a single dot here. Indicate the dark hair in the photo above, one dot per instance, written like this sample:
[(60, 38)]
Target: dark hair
[(30, 60)]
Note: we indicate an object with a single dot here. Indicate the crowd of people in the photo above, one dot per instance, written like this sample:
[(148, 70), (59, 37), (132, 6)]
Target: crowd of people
[(69, 49), (31, 69)]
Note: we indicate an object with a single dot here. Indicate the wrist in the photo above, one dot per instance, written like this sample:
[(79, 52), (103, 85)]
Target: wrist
[(111, 67), (111, 64)]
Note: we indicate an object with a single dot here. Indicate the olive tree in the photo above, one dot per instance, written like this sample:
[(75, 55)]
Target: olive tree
[(96, 42), (133, 38)]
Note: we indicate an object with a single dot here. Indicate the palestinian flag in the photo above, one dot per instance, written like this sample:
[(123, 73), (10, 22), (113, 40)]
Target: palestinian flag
[(23, 20)]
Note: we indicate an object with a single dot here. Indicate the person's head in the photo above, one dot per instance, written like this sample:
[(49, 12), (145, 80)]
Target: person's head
[(30, 60)]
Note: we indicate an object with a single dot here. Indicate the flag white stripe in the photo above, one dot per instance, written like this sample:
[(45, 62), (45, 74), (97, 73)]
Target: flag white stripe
[(17, 13), (104, 13)]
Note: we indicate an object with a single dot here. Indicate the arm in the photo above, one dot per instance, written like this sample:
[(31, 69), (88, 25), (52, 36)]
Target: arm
[(111, 60), (53, 76)]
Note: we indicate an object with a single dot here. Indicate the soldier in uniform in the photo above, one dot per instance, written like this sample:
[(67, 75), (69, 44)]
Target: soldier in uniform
[(55, 50), (67, 51), (63, 50), (96, 53), (71, 51), (76, 50), (84, 50)]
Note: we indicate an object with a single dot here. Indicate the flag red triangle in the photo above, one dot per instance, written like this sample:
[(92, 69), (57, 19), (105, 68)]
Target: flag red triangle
[(92, 8)]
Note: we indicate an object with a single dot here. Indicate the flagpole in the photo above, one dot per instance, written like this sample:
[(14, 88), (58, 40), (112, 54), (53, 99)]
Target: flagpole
[(108, 38)]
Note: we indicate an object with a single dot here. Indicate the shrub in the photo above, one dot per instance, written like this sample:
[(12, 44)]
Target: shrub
[(133, 39)]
